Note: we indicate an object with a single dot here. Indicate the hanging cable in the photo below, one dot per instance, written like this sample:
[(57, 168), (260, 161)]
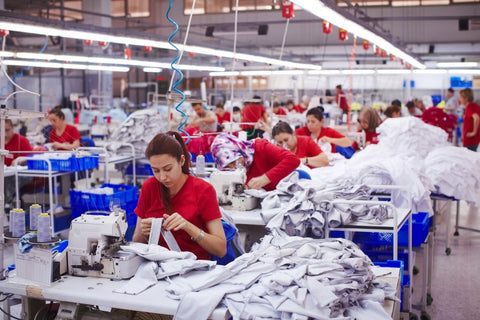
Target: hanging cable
[(350, 81), (175, 71), (284, 38)]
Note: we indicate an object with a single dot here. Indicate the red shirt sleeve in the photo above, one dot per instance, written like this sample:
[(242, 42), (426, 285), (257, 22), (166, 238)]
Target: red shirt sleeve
[(303, 131), (18, 143), (275, 162), (306, 147), (470, 110)]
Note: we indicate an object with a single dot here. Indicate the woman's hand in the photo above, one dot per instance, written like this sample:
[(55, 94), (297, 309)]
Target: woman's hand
[(258, 182), (325, 139), (57, 145), (174, 222), (146, 227)]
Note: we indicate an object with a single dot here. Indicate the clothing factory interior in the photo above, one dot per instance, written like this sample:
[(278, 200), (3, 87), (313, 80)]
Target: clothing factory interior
[(239, 159)]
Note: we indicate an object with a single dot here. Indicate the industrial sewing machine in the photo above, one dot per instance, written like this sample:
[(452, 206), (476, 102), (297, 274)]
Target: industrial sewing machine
[(94, 247), (230, 187)]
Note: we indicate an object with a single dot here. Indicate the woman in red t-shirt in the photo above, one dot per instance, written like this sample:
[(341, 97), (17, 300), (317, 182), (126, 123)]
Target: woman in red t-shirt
[(304, 147), (188, 204), (320, 134), (266, 164), (471, 120), (368, 121), (63, 136)]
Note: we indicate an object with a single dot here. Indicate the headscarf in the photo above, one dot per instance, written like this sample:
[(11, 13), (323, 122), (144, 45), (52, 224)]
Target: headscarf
[(227, 148)]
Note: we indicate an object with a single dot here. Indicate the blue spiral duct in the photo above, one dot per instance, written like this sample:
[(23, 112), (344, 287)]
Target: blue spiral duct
[(175, 70)]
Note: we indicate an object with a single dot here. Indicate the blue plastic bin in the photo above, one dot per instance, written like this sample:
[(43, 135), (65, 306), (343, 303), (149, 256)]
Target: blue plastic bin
[(141, 169), (230, 256)]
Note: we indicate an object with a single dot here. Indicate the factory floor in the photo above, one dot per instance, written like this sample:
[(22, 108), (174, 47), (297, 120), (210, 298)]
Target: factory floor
[(455, 287)]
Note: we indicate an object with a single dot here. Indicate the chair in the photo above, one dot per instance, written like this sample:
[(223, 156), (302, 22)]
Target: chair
[(229, 234)]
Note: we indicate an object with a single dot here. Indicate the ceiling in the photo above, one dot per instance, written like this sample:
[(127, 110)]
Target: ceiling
[(430, 33)]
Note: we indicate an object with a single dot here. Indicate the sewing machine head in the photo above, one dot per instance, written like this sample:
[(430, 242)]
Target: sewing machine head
[(230, 187), (94, 247)]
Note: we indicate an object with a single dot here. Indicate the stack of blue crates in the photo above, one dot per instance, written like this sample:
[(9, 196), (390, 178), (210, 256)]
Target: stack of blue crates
[(125, 195), (70, 165)]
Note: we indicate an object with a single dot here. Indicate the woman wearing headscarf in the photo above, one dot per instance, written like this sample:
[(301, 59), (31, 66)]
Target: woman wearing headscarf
[(266, 164)]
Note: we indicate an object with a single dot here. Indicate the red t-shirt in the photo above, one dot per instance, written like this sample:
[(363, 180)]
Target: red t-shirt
[(252, 113), (470, 110), (299, 108), (226, 117), (18, 143), (325, 132), (306, 147), (341, 100), (69, 135), (280, 112), (275, 162), (196, 202)]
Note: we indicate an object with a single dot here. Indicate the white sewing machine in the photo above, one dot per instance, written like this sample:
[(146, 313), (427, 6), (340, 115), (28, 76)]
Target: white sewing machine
[(94, 247), (230, 186)]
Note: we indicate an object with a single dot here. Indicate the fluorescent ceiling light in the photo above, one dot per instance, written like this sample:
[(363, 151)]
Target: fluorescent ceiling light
[(58, 65), (393, 71), (224, 74), (256, 73), (288, 72), (358, 72), (73, 34), (457, 64), (326, 72), (430, 71), (319, 9), (154, 70), (102, 60), (463, 71)]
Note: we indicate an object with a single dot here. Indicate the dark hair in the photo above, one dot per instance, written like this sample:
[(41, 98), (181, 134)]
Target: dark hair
[(220, 105), (396, 102), (9, 121), (58, 112), (170, 143), (339, 86), (290, 101), (391, 110), (281, 127), (410, 104), (196, 103), (451, 90), (276, 104), (317, 112), (235, 109)]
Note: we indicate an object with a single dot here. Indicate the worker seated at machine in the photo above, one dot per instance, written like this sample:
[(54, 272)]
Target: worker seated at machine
[(187, 204)]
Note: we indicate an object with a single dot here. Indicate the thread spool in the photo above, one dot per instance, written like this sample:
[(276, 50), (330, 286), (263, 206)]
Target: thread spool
[(17, 219), (44, 234), (35, 211), (200, 164)]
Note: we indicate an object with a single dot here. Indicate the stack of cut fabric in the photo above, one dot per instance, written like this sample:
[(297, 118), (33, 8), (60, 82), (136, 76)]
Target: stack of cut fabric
[(287, 278), (455, 172)]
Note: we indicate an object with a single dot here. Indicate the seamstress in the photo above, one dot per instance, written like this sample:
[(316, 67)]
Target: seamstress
[(266, 163), (368, 121), (471, 120), (304, 147), (63, 136), (187, 203), (320, 134)]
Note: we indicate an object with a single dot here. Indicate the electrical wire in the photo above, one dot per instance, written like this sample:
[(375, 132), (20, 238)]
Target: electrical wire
[(283, 40), (8, 314), (177, 71)]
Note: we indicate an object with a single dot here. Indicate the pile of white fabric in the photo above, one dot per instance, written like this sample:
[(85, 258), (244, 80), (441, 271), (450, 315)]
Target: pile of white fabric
[(287, 278), (455, 172)]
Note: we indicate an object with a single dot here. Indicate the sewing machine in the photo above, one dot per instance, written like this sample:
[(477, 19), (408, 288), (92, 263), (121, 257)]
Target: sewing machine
[(94, 247), (230, 186)]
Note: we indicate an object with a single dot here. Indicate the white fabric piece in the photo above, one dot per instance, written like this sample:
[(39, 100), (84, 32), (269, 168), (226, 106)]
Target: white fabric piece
[(155, 231), (154, 252), (180, 267), (144, 278)]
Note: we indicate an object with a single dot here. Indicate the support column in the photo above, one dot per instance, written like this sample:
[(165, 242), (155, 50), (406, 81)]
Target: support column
[(98, 82)]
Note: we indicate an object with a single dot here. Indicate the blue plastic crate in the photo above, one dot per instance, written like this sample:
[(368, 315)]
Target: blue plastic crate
[(71, 164), (90, 201), (384, 253), (141, 169), (420, 225)]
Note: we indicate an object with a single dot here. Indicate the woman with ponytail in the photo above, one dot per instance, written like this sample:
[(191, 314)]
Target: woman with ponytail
[(187, 203)]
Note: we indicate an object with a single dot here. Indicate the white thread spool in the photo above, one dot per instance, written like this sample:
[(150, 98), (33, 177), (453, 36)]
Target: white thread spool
[(17, 218), (44, 232), (35, 211), (200, 164)]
